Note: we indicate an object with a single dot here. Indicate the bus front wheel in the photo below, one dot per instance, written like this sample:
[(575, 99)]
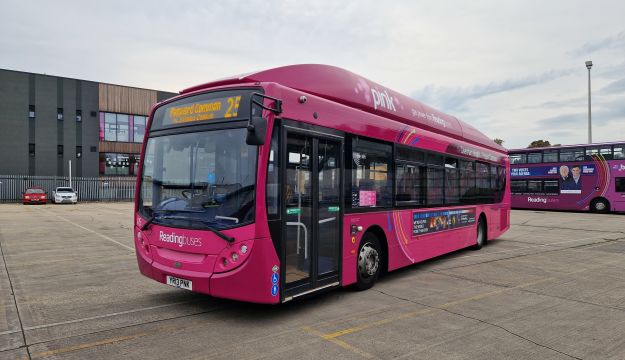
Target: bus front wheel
[(369, 261), (600, 205)]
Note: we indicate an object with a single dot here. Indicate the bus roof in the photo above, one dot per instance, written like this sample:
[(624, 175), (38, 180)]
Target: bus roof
[(512, 151), (347, 88)]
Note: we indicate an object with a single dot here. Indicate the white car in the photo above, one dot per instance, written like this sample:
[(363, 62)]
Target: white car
[(64, 195)]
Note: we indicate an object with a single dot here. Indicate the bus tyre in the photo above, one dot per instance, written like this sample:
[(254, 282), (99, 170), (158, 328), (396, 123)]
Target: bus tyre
[(481, 234), (369, 261), (600, 205)]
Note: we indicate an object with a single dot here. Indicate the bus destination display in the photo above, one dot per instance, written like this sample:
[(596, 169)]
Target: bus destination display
[(220, 108)]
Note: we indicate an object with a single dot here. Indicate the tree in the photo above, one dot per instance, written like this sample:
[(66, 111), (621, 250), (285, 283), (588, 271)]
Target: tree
[(498, 141), (539, 143)]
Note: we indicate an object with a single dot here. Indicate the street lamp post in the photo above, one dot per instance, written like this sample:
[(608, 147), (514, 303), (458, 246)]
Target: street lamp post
[(588, 66)]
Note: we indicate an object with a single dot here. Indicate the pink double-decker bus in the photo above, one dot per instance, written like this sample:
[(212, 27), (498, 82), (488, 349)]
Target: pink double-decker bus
[(587, 177), (282, 183)]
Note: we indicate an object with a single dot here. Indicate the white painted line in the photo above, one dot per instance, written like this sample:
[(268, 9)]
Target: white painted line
[(10, 332), (532, 247), (105, 316), (95, 232)]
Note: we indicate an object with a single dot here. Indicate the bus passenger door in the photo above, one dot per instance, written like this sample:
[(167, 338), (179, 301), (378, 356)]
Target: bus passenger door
[(312, 212)]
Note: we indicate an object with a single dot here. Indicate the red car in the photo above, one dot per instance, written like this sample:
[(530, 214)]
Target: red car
[(34, 195)]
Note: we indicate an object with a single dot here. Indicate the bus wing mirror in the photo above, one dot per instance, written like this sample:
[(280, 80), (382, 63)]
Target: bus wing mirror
[(256, 131)]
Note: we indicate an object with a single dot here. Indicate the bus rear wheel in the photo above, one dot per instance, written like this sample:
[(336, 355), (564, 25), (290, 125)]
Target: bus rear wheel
[(369, 262), (600, 205), (481, 234)]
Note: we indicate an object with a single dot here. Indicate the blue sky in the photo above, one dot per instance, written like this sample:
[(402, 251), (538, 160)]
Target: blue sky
[(513, 69)]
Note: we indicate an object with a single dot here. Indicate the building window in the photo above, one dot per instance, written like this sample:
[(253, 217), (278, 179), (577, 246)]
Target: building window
[(59, 150), (112, 164), (110, 127), (31, 111), (122, 127), (31, 150), (59, 113), (78, 152), (78, 115), (138, 128)]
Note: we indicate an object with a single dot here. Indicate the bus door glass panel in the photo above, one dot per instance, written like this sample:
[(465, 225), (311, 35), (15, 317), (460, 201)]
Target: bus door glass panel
[(329, 205), (298, 208)]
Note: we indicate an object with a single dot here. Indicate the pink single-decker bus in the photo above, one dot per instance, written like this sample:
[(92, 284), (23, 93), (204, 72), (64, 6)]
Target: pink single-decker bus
[(587, 177), (286, 182)]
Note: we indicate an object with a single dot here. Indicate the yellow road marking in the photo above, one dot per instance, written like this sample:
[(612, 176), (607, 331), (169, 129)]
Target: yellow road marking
[(340, 343), (87, 345)]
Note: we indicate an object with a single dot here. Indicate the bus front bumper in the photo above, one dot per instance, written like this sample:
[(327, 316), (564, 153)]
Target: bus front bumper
[(250, 281)]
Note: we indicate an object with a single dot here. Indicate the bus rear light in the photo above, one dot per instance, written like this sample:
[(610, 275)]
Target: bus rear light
[(243, 249)]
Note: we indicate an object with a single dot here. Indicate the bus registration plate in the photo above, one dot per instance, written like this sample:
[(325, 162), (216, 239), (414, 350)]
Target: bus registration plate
[(179, 283)]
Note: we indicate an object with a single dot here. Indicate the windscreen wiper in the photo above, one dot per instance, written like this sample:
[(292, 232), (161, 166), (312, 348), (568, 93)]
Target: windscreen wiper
[(203, 222), (155, 214)]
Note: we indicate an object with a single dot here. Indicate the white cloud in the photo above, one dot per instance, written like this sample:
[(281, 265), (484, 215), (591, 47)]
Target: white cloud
[(510, 68)]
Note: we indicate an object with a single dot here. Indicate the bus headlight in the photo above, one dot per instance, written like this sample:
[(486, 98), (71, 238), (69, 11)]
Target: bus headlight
[(233, 256)]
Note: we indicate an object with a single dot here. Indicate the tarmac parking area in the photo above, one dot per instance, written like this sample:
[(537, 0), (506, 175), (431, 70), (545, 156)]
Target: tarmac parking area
[(552, 287)]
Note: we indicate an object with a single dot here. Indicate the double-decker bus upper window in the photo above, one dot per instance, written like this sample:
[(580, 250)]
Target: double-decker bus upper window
[(619, 152), (534, 158), (518, 158), (571, 154), (550, 156), (371, 178)]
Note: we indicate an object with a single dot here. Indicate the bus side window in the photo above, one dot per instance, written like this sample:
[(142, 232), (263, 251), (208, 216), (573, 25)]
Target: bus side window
[(619, 152), (619, 183), (518, 158), (371, 173)]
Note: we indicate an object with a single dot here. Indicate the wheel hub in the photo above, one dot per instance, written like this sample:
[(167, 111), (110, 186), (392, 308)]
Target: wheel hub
[(368, 260)]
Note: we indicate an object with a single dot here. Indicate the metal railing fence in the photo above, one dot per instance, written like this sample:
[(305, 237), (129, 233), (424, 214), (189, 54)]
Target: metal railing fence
[(88, 189)]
